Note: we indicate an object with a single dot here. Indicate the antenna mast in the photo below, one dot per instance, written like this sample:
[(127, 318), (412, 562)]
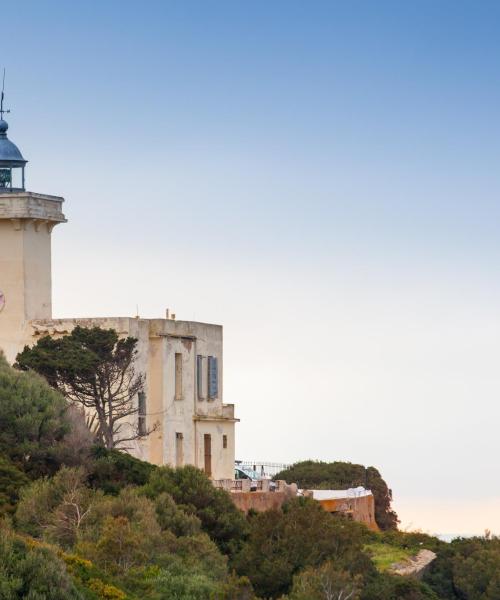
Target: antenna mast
[(2, 111)]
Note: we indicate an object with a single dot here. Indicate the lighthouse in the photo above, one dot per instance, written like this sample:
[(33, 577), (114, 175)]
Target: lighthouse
[(26, 223)]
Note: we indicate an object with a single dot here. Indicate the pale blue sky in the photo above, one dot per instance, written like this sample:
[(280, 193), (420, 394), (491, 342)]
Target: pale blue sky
[(322, 179)]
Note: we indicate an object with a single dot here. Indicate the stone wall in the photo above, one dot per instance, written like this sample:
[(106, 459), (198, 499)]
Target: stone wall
[(358, 509), (262, 500)]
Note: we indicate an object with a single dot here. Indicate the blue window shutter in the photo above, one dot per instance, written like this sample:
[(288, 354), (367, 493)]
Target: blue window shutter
[(213, 377), (199, 375), (216, 377)]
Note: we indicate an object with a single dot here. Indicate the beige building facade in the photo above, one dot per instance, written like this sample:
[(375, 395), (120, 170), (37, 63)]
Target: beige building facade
[(182, 361), (182, 402)]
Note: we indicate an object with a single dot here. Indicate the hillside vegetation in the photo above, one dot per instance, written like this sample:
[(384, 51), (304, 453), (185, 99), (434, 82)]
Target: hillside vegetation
[(80, 522)]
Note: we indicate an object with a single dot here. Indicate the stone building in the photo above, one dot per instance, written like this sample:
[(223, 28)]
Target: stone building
[(182, 361)]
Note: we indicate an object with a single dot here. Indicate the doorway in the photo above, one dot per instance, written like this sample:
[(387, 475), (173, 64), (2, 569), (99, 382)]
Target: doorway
[(179, 450)]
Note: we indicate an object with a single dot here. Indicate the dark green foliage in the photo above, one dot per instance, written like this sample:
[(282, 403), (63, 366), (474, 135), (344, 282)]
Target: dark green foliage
[(181, 584), (32, 573), (440, 573), (467, 569), (235, 588), (94, 369), (410, 540), (171, 517), (193, 491), (385, 517), (73, 357), (395, 587), (112, 470), (342, 475), (33, 422), (283, 542), (11, 482), (319, 475), (326, 581)]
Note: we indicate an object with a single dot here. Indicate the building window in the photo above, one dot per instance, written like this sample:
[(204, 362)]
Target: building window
[(199, 377), (141, 414), (224, 441), (213, 377), (179, 449), (178, 376), (207, 446)]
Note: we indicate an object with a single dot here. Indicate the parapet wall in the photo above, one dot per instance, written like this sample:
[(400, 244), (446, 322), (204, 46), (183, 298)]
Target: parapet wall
[(358, 509), (261, 499)]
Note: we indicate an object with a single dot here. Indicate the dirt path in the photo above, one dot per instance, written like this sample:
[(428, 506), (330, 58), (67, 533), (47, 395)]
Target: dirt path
[(414, 565)]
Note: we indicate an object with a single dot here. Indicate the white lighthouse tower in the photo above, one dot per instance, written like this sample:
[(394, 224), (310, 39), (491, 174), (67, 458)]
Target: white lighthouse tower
[(26, 223)]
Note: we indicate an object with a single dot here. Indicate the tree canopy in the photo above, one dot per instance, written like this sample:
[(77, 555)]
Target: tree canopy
[(194, 492), (94, 369), (302, 535), (34, 422), (467, 569)]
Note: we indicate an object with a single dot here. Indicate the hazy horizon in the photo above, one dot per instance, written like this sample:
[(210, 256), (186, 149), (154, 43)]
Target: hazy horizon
[(322, 179)]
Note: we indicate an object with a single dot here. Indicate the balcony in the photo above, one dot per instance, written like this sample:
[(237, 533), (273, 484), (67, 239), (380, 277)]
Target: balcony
[(214, 412)]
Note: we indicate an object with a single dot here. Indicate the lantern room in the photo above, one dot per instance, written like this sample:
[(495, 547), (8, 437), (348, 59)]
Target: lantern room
[(12, 163)]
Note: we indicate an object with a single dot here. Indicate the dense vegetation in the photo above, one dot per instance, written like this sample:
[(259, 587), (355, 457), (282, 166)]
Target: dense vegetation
[(467, 568), (81, 522), (341, 476)]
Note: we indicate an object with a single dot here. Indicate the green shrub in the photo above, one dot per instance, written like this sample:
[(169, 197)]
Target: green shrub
[(193, 492), (466, 569), (395, 587), (105, 590), (33, 421), (12, 480), (32, 572), (112, 470), (326, 581), (284, 542)]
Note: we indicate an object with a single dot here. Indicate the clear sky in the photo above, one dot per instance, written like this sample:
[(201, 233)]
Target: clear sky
[(323, 179)]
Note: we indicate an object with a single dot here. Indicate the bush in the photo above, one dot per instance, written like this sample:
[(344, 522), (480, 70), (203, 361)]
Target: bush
[(326, 581), (112, 470), (106, 591), (312, 474), (284, 542), (170, 516), (395, 587), (11, 482), (466, 569), (33, 422), (235, 588), (183, 584), (32, 573), (56, 509), (193, 492)]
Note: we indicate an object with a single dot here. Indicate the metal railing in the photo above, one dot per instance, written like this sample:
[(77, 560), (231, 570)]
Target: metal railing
[(240, 485), (263, 468)]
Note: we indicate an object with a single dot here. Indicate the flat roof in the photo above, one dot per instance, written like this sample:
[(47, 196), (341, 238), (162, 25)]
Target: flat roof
[(358, 492)]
